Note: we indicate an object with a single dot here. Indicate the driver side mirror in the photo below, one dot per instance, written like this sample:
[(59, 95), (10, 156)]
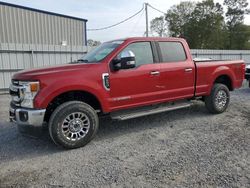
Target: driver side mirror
[(126, 61)]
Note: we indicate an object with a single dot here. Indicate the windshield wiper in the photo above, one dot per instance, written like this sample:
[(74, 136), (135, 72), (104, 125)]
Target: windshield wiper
[(83, 60)]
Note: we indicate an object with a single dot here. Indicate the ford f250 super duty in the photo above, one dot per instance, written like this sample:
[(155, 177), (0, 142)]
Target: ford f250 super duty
[(124, 79)]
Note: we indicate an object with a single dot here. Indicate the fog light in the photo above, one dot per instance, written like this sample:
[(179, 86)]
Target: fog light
[(23, 116)]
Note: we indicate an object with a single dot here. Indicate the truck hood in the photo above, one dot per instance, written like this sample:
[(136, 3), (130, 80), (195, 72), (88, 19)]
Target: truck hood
[(36, 74)]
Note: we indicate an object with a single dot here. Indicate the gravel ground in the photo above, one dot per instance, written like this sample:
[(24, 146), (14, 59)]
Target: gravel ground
[(184, 148)]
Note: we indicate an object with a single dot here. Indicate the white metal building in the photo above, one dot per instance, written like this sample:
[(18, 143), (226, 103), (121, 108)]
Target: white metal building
[(33, 38)]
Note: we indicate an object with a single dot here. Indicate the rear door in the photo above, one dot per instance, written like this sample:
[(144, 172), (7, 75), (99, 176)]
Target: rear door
[(177, 71), (136, 86)]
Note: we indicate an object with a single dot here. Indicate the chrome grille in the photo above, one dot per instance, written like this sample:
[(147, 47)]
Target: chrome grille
[(15, 82), (14, 91)]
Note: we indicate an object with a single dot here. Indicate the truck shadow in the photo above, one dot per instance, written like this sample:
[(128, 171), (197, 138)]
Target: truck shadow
[(109, 128), (15, 146)]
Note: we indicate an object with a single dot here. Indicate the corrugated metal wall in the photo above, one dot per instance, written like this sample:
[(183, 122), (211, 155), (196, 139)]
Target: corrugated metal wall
[(23, 26), (15, 57), (32, 38)]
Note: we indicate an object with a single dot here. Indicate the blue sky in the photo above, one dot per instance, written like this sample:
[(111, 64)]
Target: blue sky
[(103, 13)]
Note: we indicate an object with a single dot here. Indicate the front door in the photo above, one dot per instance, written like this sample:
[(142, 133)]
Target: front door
[(136, 86)]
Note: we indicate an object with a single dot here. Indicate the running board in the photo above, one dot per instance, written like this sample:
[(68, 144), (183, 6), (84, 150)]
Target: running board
[(149, 110)]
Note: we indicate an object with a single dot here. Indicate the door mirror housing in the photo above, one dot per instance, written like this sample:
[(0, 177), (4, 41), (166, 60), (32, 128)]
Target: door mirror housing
[(126, 61)]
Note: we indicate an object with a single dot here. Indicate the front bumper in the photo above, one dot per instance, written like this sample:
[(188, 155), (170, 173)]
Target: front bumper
[(24, 116)]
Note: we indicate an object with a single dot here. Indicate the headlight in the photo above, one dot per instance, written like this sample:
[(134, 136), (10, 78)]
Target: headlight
[(28, 92)]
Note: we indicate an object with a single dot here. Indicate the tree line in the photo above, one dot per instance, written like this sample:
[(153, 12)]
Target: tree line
[(206, 24)]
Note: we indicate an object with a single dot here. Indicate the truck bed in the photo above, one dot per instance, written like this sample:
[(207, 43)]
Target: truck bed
[(206, 70)]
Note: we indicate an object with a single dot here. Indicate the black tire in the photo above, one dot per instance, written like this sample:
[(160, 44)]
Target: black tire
[(61, 116), (213, 104)]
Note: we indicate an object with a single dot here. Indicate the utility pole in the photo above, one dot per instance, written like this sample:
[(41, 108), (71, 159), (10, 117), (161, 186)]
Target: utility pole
[(146, 11)]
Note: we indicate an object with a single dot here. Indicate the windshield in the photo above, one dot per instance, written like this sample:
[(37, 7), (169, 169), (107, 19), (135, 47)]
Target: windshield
[(100, 52)]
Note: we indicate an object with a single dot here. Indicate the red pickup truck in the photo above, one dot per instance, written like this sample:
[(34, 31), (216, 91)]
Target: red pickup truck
[(124, 79)]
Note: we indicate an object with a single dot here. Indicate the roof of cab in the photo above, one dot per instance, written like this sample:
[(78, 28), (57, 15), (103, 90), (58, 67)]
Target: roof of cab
[(149, 39)]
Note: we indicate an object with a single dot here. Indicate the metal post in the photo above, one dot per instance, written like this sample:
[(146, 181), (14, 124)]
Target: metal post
[(32, 58), (71, 58), (146, 11)]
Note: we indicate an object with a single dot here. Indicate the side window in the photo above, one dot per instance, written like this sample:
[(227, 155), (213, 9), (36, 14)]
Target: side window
[(142, 51), (172, 51)]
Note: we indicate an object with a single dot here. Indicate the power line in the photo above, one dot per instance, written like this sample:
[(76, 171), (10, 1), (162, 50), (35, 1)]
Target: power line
[(130, 17), (156, 9), (138, 20), (107, 27)]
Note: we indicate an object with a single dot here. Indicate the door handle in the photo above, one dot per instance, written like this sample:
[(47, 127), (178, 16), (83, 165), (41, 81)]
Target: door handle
[(154, 73), (188, 70)]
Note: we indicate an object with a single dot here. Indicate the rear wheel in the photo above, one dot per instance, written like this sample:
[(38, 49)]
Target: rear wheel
[(217, 102), (73, 124)]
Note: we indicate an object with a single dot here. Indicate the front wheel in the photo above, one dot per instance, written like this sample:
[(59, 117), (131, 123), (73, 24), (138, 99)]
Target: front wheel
[(73, 124), (217, 102)]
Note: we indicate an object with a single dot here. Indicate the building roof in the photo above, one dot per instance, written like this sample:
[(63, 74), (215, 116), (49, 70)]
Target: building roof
[(41, 11)]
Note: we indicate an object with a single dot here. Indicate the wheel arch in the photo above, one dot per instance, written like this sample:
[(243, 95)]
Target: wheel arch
[(72, 95), (223, 75), (226, 80)]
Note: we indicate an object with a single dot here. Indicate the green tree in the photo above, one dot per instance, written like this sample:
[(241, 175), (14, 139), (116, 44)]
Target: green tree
[(247, 43), (158, 26), (236, 10), (178, 17), (202, 24), (206, 28), (238, 34), (239, 37)]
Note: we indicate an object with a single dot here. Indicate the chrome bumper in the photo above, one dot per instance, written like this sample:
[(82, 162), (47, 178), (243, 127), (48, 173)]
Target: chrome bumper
[(22, 116)]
